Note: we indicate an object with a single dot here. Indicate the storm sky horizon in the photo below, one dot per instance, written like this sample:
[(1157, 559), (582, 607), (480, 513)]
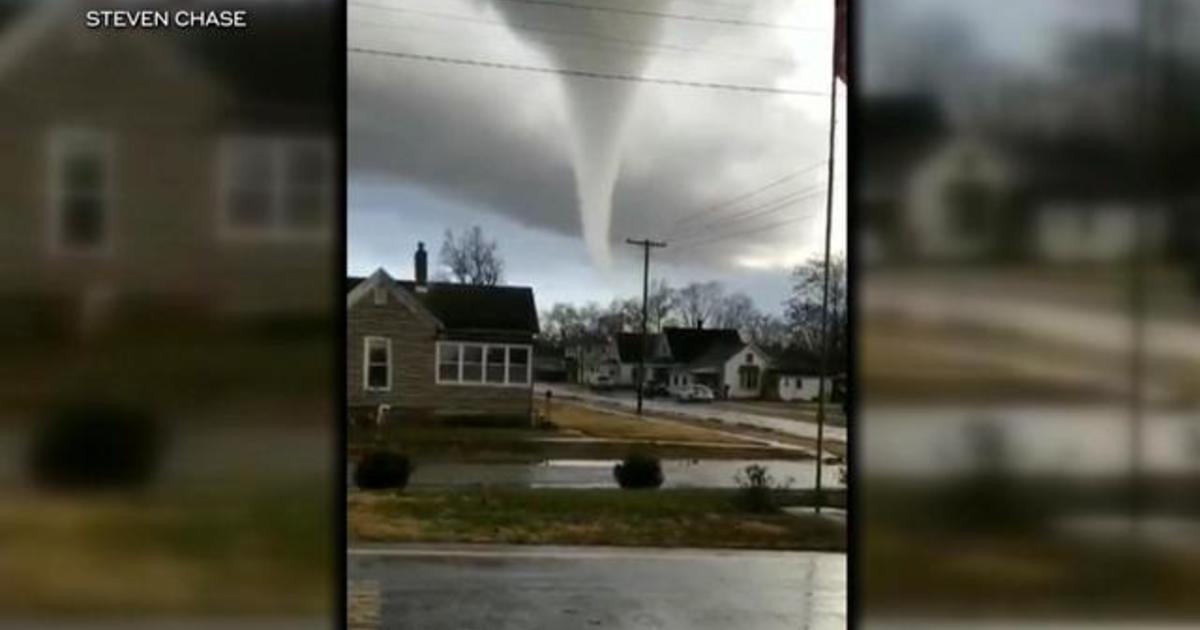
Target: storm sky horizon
[(732, 180)]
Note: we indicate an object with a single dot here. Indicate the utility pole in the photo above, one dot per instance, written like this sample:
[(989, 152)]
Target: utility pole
[(1147, 106), (645, 244), (824, 362)]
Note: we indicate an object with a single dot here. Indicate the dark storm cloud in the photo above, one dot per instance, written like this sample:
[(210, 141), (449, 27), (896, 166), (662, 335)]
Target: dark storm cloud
[(497, 140)]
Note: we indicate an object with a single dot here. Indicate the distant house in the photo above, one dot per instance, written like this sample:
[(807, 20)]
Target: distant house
[(627, 357), (677, 357), (796, 375), (717, 358), (436, 349), (550, 365)]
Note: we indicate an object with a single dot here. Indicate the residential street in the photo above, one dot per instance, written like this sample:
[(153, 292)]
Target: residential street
[(562, 588), (700, 411)]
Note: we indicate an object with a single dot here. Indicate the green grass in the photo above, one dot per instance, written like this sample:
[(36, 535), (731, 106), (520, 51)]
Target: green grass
[(261, 551), (657, 518)]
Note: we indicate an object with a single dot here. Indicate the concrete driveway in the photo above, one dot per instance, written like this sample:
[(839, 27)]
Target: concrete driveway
[(563, 588), (700, 411)]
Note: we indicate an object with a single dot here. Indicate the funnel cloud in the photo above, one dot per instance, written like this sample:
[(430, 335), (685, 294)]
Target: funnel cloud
[(560, 170), (597, 112)]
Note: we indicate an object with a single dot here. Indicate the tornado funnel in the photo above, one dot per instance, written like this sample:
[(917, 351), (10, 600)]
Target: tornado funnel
[(597, 110)]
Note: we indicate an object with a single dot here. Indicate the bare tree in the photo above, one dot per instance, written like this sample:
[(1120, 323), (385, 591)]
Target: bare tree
[(624, 315), (804, 305), (769, 331), (662, 304), (472, 259), (735, 310), (698, 302)]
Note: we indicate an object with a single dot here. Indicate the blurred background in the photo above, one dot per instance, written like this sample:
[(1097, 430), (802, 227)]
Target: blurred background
[(168, 202), (1029, 290)]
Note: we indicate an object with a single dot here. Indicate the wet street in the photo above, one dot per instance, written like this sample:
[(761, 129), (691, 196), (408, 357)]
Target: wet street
[(562, 588)]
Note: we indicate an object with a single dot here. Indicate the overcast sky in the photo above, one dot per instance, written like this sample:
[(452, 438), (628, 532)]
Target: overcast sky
[(435, 146), (967, 38)]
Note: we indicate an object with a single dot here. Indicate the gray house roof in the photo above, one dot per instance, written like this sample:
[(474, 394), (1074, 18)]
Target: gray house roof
[(703, 347), (467, 308), (629, 348)]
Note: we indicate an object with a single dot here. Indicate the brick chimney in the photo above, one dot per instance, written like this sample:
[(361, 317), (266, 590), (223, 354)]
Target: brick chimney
[(699, 323), (421, 265)]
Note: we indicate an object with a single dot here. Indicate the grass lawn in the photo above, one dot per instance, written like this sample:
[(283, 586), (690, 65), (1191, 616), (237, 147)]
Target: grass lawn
[(797, 410), (658, 518), (265, 552), (603, 435), (621, 426)]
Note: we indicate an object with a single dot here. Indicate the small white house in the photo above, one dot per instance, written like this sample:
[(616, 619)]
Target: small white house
[(799, 387), (1096, 232), (951, 209)]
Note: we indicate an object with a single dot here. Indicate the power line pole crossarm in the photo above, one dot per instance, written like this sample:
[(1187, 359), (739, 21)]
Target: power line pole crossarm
[(645, 244)]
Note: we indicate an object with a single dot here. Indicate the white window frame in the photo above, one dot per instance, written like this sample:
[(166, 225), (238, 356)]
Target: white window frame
[(744, 377), (60, 143), (483, 382), (278, 228), (366, 363)]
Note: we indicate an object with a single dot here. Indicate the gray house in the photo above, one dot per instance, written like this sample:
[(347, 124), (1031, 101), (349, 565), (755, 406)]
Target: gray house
[(439, 350)]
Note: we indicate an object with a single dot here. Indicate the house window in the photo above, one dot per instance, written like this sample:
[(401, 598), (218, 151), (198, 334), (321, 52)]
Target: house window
[(518, 365), (472, 364), (489, 364), (377, 364), (80, 191), (275, 188), (748, 377), (448, 362), (496, 367), (749, 357), (380, 296)]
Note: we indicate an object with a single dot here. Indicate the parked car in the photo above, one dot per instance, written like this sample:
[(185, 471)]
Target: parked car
[(602, 382), (656, 390), (694, 393)]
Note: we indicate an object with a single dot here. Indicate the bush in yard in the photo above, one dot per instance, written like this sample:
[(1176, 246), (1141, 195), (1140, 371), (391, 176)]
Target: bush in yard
[(639, 471), (97, 445), (382, 470), (989, 496), (757, 490)]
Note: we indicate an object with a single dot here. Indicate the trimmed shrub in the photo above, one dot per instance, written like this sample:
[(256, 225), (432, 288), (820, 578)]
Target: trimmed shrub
[(97, 445), (382, 470), (639, 471), (757, 490)]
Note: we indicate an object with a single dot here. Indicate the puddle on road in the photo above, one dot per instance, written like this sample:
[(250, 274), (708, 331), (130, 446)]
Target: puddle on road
[(597, 473)]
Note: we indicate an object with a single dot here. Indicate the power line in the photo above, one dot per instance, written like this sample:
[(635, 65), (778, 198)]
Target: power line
[(774, 203), (586, 74), (757, 230), (761, 210), (742, 197), (662, 15), (570, 33)]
